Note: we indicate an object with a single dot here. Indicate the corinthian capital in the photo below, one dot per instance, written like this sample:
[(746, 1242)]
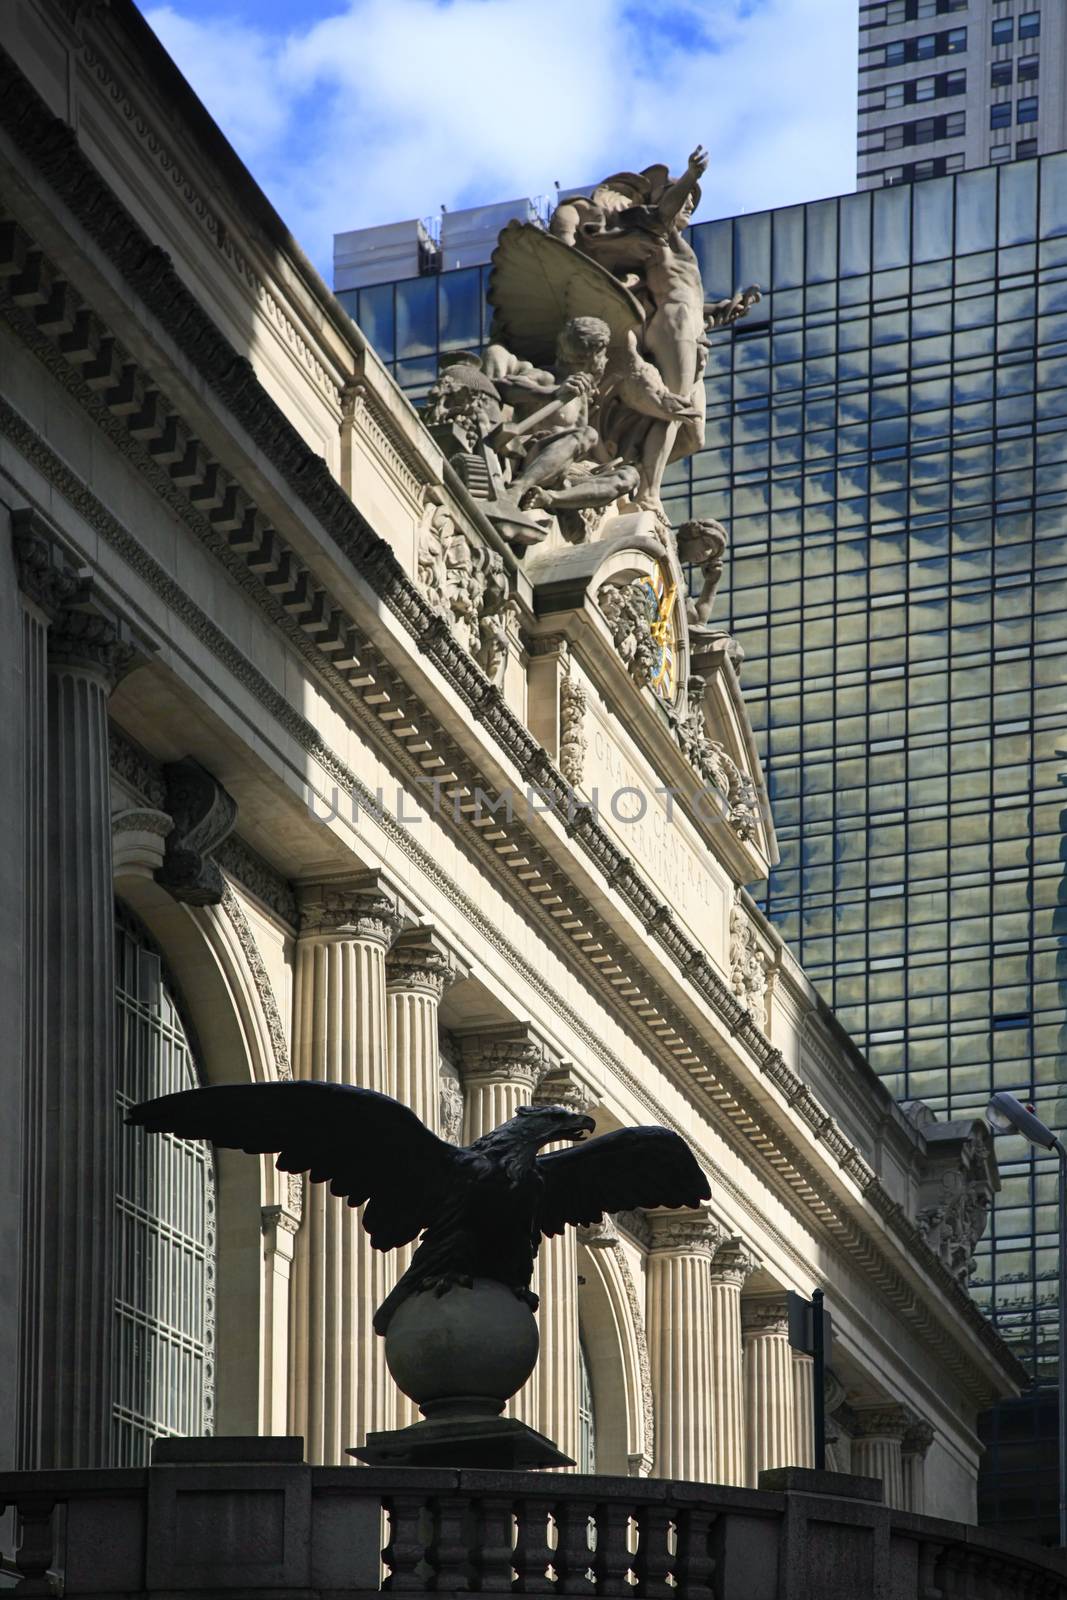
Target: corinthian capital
[(511, 1052), (885, 1421), (359, 908), (563, 1085), (420, 961), (764, 1314), (684, 1232), (733, 1262), (46, 573)]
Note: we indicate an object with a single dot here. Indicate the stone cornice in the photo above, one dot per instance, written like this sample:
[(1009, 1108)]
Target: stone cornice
[(53, 148)]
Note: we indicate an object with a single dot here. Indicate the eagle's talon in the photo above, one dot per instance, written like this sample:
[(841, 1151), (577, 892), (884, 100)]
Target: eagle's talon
[(447, 1280), (527, 1296)]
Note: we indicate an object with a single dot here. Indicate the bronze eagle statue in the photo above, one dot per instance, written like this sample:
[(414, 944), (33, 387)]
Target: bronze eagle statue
[(481, 1211)]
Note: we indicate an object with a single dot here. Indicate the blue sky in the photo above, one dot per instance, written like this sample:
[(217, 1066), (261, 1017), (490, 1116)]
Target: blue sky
[(355, 112)]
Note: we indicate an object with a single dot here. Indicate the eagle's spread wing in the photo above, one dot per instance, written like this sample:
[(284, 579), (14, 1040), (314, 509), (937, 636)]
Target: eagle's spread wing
[(366, 1145), (618, 1171)]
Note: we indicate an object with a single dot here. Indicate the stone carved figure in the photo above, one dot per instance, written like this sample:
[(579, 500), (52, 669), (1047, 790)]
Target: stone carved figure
[(954, 1227), (703, 544), (714, 763), (479, 1211), (624, 603)]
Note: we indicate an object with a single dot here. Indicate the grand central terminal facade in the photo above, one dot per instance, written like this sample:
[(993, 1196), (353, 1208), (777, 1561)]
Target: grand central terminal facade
[(326, 758)]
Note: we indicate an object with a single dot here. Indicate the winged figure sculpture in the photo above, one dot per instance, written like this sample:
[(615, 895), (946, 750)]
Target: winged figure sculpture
[(481, 1211)]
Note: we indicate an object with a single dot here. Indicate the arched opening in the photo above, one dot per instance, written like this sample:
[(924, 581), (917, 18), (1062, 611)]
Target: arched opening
[(164, 1363), (586, 1413), (611, 1343)]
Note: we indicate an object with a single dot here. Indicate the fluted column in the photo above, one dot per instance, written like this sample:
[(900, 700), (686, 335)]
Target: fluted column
[(500, 1067), (730, 1267), (418, 967), (679, 1317), (340, 1389), (770, 1416), (804, 1409), (73, 1110), (876, 1448), (557, 1285), (913, 1447)]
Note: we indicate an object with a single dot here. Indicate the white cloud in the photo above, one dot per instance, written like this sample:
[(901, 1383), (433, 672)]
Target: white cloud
[(392, 107)]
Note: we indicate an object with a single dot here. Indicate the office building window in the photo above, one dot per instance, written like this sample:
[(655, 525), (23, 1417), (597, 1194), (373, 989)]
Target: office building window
[(1025, 148), (1028, 68), (1000, 152), (1030, 25), (955, 125), (1026, 109), (954, 163), (1004, 30), (895, 54), (893, 175), (894, 94), (1000, 116), (1000, 74), (955, 40)]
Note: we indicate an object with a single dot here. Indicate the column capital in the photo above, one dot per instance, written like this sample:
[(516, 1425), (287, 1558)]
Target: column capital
[(47, 573), (885, 1420), (733, 1262), (918, 1438), (509, 1052), (361, 907), (563, 1085), (89, 638), (764, 1314), (684, 1232), (419, 960)]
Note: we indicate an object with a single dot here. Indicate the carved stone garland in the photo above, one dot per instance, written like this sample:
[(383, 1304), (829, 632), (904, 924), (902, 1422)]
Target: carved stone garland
[(466, 584)]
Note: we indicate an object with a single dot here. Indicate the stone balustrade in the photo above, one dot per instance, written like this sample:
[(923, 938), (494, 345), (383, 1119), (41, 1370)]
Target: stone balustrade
[(229, 1515)]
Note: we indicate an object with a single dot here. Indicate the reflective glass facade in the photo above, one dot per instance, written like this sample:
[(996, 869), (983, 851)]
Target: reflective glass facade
[(887, 443)]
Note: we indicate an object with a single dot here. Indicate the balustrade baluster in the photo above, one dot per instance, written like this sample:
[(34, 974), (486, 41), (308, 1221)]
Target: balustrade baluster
[(496, 1543), (654, 1556), (451, 1555), (36, 1551), (694, 1566), (613, 1558), (534, 1552), (574, 1556), (406, 1552)]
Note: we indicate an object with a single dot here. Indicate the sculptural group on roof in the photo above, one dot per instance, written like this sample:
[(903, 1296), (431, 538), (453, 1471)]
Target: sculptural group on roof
[(592, 382)]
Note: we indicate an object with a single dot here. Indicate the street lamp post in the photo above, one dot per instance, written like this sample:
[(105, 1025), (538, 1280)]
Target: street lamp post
[(1008, 1115)]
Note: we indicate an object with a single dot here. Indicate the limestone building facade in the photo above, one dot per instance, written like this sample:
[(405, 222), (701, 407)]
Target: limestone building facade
[(310, 774)]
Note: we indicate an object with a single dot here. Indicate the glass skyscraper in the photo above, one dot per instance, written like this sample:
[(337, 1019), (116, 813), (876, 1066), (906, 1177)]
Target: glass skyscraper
[(887, 444)]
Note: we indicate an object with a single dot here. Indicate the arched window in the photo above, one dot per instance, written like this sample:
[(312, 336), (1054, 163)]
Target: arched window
[(586, 1415), (165, 1221)]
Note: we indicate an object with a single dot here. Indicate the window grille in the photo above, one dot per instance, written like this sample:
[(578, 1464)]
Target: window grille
[(165, 1221), (586, 1415)]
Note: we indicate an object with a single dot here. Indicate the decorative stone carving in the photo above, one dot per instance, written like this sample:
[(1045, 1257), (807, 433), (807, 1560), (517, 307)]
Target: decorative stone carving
[(694, 1233), (715, 766), (360, 909), (451, 1104), (624, 603), (46, 574), (203, 815), (572, 744), (733, 1262), (563, 1085), (764, 1314), (888, 1421), (602, 1235), (748, 973), (956, 1189), (466, 584), (419, 961)]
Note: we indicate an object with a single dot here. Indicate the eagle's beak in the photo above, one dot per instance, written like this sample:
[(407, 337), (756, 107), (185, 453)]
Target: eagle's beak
[(578, 1128)]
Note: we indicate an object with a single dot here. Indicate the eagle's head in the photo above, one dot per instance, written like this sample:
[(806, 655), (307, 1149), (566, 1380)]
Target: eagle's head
[(541, 1125)]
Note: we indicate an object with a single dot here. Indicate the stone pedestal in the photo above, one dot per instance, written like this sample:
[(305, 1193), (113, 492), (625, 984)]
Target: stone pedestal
[(340, 1389), (770, 1413), (680, 1338), (730, 1267), (876, 1448), (557, 1285), (500, 1068), (417, 969)]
